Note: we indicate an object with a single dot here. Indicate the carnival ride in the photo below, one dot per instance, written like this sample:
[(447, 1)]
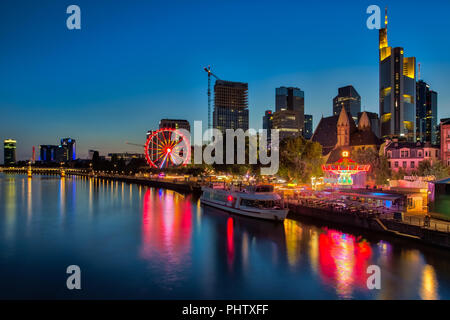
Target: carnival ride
[(167, 147), (344, 169)]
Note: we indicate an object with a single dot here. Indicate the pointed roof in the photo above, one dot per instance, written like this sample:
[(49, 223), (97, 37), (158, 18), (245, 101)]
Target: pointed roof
[(326, 132), (343, 118), (364, 122)]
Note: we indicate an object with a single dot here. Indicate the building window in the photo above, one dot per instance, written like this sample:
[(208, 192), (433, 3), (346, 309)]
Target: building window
[(412, 164), (420, 153), (405, 164), (390, 153), (389, 164), (396, 164)]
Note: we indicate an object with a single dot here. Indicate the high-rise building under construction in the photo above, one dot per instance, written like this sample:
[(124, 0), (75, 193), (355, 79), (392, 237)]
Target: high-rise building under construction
[(230, 105)]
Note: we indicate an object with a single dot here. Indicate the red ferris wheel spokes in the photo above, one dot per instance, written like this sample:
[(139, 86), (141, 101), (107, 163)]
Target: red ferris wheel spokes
[(167, 147)]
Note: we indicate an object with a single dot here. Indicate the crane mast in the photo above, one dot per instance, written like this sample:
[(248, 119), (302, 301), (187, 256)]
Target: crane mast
[(208, 70), (134, 144)]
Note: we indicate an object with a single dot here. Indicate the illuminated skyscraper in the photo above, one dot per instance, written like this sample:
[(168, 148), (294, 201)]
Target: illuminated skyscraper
[(69, 150), (397, 90), (308, 130), (287, 123), (64, 152), (9, 152), (230, 105), (426, 113), (47, 153), (291, 99), (348, 98)]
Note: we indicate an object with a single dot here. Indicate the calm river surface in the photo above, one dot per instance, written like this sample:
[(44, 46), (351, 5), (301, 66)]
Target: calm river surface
[(135, 242)]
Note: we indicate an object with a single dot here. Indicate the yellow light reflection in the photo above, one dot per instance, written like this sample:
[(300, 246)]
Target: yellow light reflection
[(10, 204), (429, 287), (62, 195), (314, 251), (199, 215), (293, 233), (245, 251), (29, 200), (90, 196)]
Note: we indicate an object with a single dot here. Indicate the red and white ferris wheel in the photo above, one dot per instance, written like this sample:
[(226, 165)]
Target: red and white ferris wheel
[(166, 148)]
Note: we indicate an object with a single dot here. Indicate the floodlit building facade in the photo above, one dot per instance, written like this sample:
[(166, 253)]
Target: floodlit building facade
[(9, 152), (408, 155), (397, 92), (445, 141)]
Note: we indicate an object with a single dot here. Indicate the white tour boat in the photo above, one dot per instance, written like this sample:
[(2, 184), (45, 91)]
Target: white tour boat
[(254, 201)]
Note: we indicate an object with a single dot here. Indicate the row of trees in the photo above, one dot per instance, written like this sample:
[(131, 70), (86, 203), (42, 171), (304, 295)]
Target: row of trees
[(299, 160)]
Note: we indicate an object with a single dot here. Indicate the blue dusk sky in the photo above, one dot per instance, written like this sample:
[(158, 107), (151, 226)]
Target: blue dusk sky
[(135, 62)]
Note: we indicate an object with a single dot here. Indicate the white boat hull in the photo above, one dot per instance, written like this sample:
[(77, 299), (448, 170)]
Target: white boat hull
[(275, 215)]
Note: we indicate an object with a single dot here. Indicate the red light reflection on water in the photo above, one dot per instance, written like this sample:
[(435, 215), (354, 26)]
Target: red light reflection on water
[(343, 261), (166, 229), (230, 242)]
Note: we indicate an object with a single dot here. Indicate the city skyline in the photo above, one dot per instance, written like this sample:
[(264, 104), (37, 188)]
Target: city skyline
[(84, 84)]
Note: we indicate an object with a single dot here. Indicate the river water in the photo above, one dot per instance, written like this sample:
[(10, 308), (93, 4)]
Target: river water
[(134, 242)]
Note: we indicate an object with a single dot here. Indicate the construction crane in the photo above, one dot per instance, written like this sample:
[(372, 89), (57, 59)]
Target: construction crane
[(208, 70)]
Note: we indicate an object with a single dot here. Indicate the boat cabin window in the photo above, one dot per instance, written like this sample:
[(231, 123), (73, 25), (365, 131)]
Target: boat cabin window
[(261, 204), (218, 196)]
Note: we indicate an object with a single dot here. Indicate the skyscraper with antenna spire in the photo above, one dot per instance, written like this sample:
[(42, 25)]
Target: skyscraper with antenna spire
[(397, 89)]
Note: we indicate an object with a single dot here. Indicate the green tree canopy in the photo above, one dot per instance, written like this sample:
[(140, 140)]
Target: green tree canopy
[(300, 160), (437, 169), (379, 166)]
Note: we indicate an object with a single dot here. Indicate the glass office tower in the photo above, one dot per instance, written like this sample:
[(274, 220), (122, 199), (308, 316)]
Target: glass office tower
[(9, 152), (397, 91)]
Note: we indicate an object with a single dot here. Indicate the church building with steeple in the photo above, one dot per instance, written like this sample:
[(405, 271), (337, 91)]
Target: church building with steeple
[(339, 133)]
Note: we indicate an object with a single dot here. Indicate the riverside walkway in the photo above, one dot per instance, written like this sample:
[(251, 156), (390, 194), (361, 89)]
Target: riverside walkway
[(352, 208), (436, 232)]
